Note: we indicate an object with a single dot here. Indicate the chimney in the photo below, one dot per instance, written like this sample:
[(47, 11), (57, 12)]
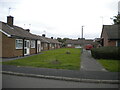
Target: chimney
[(51, 37), (28, 30), (10, 20), (43, 35)]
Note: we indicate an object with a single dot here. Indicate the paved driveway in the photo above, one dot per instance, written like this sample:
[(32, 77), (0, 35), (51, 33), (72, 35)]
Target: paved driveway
[(88, 63)]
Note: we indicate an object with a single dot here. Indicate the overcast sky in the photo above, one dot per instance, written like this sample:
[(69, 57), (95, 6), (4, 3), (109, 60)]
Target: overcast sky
[(61, 18)]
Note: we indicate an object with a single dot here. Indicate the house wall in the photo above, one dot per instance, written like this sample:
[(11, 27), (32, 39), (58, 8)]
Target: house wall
[(57, 46), (32, 50), (8, 47), (18, 52), (108, 42), (105, 38), (111, 43), (44, 46), (0, 44)]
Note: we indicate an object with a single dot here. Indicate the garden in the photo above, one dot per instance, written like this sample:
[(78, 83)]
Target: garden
[(109, 57), (63, 58)]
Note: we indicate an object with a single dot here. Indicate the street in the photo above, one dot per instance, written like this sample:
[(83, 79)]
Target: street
[(11, 81)]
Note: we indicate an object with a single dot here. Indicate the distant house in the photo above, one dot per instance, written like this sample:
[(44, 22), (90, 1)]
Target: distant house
[(110, 35), (17, 41), (77, 43), (49, 43)]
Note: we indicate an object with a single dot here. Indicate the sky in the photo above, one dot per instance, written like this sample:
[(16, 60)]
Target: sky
[(61, 18)]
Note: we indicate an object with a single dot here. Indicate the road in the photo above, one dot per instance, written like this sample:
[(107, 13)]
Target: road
[(12, 81)]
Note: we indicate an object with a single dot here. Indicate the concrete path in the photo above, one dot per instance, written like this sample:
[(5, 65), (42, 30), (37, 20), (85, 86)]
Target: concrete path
[(88, 63)]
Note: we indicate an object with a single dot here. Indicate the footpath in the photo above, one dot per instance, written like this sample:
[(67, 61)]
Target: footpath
[(88, 63), (90, 71)]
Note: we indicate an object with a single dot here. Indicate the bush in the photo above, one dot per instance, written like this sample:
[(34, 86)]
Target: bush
[(106, 53)]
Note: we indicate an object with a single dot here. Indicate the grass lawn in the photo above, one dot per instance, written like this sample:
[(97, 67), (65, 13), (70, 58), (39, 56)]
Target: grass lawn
[(110, 65), (57, 59)]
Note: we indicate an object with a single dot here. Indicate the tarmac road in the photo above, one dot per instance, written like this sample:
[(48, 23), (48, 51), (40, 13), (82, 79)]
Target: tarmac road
[(12, 81)]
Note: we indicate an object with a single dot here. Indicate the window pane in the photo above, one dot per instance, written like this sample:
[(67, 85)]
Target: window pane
[(19, 43)]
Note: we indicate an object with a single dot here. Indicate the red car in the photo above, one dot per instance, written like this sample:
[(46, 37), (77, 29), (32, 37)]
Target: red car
[(88, 47)]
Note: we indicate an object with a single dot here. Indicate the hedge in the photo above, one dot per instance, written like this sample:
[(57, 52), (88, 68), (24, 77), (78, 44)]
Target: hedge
[(106, 53)]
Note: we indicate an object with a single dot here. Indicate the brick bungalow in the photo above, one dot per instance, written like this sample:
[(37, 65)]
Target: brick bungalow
[(49, 43), (17, 41), (54, 44), (110, 35), (77, 43)]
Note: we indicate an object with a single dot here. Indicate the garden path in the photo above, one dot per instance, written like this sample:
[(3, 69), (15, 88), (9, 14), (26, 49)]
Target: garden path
[(88, 63)]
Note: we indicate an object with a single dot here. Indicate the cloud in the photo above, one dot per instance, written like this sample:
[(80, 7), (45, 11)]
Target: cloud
[(62, 18)]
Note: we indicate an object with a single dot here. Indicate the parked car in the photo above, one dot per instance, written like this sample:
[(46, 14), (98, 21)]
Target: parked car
[(88, 47)]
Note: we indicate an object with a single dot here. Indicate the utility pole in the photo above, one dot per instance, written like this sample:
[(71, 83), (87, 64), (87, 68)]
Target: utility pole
[(82, 32), (82, 39)]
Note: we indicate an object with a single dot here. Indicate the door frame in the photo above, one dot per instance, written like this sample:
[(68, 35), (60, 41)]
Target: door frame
[(26, 47)]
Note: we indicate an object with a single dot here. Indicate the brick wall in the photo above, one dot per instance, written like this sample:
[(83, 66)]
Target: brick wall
[(111, 43), (32, 50), (0, 44), (8, 47), (106, 41)]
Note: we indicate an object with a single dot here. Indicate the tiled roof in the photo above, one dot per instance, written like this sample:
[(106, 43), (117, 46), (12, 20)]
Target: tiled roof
[(16, 31), (52, 40), (112, 31)]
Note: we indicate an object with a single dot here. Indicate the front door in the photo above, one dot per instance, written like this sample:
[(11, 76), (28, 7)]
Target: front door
[(38, 46), (26, 47)]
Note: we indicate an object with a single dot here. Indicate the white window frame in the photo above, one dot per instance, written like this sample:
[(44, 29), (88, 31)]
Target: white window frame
[(69, 45), (18, 40), (32, 43)]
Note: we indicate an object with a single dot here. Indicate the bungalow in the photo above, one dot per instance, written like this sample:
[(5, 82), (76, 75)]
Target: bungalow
[(110, 35), (49, 43), (17, 41), (77, 43), (44, 43), (54, 44)]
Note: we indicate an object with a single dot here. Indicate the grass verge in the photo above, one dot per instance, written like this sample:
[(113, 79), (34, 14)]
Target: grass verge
[(57, 59), (110, 65)]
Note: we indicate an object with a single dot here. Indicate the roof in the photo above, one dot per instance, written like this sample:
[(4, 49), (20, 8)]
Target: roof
[(52, 40), (75, 41), (16, 31), (112, 31)]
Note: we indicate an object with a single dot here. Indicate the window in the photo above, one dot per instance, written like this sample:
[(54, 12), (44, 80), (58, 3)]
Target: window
[(118, 43), (69, 45), (19, 43), (32, 43)]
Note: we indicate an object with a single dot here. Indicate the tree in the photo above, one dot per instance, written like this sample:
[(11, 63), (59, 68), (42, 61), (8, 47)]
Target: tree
[(116, 19), (62, 41)]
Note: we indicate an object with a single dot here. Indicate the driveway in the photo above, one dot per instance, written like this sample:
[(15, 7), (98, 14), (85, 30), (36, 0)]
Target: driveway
[(88, 63)]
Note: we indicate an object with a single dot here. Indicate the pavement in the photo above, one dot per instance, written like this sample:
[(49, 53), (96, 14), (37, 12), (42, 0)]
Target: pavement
[(88, 63), (91, 71)]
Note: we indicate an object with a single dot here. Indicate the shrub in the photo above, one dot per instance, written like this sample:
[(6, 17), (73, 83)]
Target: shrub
[(106, 53)]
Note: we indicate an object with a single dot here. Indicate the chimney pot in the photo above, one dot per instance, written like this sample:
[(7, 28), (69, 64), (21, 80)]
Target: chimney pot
[(10, 20), (28, 30), (43, 35)]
